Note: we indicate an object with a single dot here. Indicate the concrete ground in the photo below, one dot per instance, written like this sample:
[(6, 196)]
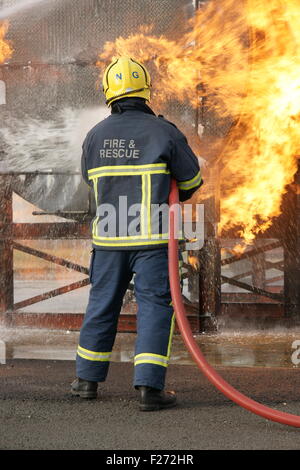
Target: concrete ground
[(37, 411)]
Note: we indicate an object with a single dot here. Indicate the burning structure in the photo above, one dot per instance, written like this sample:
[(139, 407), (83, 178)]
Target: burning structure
[(227, 73), (5, 48)]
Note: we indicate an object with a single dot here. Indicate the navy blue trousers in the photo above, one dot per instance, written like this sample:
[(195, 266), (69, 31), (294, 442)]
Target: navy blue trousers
[(110, 274)]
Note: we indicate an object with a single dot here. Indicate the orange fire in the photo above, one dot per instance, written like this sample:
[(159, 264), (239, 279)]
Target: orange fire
[(5, 47), (263, 147), (194, 262), (244, 57)]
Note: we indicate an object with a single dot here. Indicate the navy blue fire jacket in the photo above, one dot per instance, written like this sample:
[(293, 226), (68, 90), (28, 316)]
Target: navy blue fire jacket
[(129, 159)]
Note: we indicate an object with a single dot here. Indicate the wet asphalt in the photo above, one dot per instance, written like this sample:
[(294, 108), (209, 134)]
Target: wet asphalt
[(38, 412)]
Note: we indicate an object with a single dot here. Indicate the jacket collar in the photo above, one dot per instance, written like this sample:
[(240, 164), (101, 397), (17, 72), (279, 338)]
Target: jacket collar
[(131, 104)]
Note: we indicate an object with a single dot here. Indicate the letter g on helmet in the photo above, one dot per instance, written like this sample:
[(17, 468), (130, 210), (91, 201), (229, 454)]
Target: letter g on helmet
[(126, 77)]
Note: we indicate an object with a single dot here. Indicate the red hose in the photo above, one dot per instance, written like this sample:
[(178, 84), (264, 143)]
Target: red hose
[(185, 329)]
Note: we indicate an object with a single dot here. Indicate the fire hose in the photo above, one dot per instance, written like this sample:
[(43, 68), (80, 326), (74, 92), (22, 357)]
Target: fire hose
[(224, 387)]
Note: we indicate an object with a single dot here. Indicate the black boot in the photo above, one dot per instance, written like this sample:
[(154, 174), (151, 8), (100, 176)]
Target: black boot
[(84, 388), (152, 399)]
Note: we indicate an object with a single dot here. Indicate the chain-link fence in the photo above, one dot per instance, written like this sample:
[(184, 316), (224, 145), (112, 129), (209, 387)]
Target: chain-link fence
[(52, 98)]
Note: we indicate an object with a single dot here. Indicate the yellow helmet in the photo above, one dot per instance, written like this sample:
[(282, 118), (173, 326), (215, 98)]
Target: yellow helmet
[(126, 77)]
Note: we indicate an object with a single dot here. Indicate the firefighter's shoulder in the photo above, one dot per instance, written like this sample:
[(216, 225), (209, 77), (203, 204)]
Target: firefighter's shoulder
[(172, 128), (160, 116)]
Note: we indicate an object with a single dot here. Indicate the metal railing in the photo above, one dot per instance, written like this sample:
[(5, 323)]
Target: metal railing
[(203, 314)]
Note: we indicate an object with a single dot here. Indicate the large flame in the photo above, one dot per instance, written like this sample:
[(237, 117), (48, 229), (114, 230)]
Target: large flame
[(244, 57), (5, 47), (261, 157)]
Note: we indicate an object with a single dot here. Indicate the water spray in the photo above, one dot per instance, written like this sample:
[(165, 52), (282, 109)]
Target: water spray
[(20, 6)]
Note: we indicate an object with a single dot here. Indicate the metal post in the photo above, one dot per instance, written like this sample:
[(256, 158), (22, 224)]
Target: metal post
[(6, 246), (259, 268), (210, 265), (291, 244), (209, 285)]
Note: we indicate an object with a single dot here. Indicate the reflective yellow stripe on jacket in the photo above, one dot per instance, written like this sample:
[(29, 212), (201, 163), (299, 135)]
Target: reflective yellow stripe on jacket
[(145, 171), (190, 184), (130, 170)]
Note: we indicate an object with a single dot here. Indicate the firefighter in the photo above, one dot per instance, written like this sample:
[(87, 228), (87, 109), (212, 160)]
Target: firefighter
[(128, 160)]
